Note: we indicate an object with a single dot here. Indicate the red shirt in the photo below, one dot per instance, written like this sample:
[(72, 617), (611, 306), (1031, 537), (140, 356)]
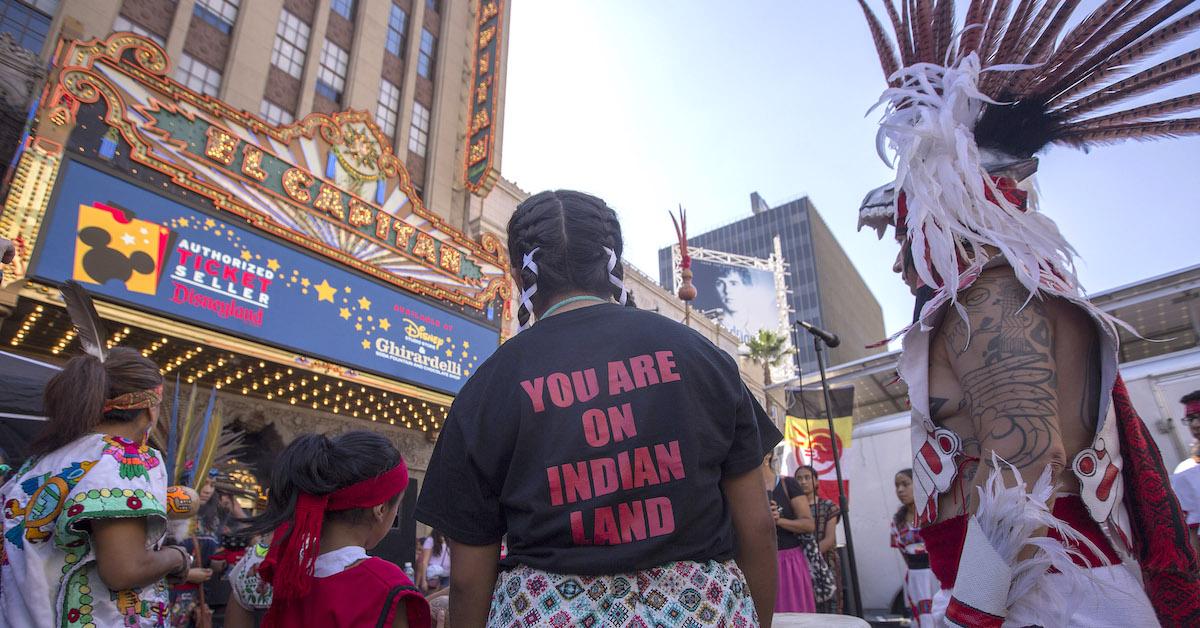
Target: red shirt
[(362, 595)]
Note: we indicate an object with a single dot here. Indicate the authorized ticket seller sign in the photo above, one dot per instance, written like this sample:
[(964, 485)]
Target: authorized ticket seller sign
[(124, 242)]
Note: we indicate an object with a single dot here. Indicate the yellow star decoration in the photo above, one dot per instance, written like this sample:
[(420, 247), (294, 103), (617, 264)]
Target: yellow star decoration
[(273, 265), (358, 327), (385, 324), (466, 344), (210, 223), (325, 291), (366, 344), (304, 282), (364, 304), (247, 255), (183, 222), (449, 352), (344, 313)]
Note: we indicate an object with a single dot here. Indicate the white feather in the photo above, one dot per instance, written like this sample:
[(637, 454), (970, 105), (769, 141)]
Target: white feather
[(1010, 516), (928, 125)]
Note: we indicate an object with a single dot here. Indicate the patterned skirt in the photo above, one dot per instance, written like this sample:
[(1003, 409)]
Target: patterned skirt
[(675, 594)]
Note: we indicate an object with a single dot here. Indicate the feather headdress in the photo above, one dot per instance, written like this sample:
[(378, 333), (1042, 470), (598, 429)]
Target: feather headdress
[(970, 102)]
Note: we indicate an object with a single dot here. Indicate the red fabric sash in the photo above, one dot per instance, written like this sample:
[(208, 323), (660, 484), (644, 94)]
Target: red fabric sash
[(1160, 529), (294, 547), (1191, 407)]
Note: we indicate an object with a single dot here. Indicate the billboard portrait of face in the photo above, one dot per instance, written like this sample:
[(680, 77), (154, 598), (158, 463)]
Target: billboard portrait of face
[(742, 299)]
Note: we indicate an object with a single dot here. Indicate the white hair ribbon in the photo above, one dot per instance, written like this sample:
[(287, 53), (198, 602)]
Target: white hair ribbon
[(527, 294), (613, 279)]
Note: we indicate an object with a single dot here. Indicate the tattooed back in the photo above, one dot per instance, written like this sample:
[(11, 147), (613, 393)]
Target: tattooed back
[(1019, 377)]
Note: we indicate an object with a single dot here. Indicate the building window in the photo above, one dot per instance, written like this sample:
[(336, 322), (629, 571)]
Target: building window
[(418, 133), (425, 60), (198, 75), (123, 24), (331, 77), (388, 110), (291, 40), (275, 114), (344, 8), (397, 20), (221, 14), (431, 5), (27, 25)]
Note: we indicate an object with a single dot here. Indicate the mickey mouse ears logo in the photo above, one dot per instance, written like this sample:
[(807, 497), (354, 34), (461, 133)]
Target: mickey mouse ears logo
[(112, 245)]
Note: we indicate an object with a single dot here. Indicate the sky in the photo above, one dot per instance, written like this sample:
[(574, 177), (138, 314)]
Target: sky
[(652, 104)]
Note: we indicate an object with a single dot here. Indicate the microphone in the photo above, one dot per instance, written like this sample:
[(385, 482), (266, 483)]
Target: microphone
[(831, 340)]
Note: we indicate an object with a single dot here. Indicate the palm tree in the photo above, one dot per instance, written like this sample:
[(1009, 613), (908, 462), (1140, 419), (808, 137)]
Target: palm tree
[(770, 349)]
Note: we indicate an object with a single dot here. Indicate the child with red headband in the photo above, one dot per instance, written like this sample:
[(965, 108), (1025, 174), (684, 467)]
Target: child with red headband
[(331, 500)]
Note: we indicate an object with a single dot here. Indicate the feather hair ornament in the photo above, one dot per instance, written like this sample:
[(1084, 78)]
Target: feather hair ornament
[(1017, 76), (87, 323)]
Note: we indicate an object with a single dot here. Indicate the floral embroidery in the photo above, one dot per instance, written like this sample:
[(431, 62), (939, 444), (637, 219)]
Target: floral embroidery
[(74, 510), (135, 460), (134, 503)]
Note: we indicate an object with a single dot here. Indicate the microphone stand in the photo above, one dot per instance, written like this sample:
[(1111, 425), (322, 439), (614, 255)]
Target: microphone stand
[(818, 345)]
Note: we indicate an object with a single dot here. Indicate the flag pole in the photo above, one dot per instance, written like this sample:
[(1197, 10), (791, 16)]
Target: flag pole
[(836, 451)]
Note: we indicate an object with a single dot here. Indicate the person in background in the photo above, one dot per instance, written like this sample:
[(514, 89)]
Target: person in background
[(1186, 479), (654, 407), (331, 500), (85, 515), (250, 595), (825, 517), (920, 585), (433, 568), (792, 517)]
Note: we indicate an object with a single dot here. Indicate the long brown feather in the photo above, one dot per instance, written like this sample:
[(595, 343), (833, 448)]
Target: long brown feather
[(1144, 113), (88, 326), (923, 31), (1181, 67), (1076, 37), (883, 46), (1135, 131), (1130, 56), (1091, 54), (1007, 81), (976, 16), (995, 26), (943, 29), (991, 82), (1014, 33), (903, 41), (1041, 50)]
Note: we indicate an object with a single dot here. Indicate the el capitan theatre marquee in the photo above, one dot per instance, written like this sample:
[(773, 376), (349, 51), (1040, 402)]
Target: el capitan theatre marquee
[(138, 248), (295, 263)]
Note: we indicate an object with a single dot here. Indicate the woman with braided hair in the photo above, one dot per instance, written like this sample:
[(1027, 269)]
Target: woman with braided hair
[(617, 449)]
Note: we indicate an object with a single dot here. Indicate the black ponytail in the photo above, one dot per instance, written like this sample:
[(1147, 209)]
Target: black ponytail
[(319, 465), (567, 233)]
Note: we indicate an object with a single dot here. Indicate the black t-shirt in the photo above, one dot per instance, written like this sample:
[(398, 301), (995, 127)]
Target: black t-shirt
[(596, 440), (786, 539)]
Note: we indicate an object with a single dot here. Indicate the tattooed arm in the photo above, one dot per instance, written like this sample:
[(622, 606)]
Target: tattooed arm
[(1007, 373)]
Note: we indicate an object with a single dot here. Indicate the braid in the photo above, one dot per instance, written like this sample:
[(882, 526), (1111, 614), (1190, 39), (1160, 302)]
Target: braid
[(578, 244)]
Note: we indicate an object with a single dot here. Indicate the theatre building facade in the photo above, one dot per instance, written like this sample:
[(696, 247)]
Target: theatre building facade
[(291, 267)]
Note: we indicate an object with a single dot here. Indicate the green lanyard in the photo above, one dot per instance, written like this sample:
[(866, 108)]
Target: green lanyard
[(557, 306)]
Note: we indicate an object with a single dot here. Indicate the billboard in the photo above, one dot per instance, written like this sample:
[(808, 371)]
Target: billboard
[(134, 246), (742, 299)]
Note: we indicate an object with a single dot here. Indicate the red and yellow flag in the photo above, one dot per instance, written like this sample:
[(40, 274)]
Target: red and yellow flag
[(808, 436)]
